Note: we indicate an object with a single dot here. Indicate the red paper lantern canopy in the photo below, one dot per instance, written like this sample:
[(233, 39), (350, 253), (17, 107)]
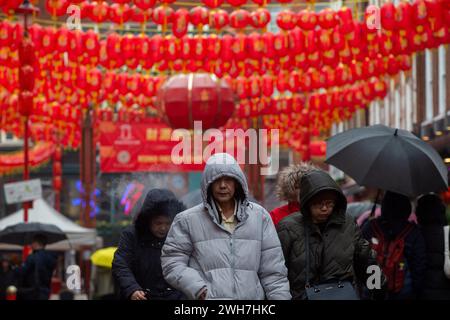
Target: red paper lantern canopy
[(186, 98)]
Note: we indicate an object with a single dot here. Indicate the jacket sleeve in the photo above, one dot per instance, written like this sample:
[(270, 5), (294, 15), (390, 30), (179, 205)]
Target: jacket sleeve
[(272, 269), (364, 256), (175, 256), (121, 266), (417, 260)]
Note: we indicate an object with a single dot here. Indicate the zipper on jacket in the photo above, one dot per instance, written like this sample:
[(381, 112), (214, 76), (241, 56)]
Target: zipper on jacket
[(232, 265)]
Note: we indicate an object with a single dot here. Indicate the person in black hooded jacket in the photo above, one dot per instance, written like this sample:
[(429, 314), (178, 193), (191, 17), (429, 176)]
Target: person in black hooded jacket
[(431, 217), (137, 262), (337, 251), (395, 211)]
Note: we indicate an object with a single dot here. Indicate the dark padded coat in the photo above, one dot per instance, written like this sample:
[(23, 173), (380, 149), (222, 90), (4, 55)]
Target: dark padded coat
[(337, 253), (137, 261)]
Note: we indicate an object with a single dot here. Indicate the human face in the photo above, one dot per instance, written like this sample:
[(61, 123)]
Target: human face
[(322, 205), (160, 225), (223, 190)]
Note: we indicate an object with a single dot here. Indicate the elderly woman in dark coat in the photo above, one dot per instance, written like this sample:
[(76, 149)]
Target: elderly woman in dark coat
[(137, 261), (431, 217)]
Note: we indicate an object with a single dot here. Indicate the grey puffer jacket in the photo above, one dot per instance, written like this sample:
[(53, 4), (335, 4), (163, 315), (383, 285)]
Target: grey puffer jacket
[(199, 252)]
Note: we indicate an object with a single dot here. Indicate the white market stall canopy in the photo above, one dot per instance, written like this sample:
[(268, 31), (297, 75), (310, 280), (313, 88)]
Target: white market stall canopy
[(44, 213)]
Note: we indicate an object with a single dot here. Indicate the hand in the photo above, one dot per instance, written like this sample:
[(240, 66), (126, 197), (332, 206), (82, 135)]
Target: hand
[(138, 295), (203, 294)]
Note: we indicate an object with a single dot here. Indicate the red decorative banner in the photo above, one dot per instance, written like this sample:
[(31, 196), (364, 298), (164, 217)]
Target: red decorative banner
[(14, 162), (146, 146)]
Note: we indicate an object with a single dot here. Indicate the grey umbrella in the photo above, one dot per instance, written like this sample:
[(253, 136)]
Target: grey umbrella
[(389, 159), (23, 233)]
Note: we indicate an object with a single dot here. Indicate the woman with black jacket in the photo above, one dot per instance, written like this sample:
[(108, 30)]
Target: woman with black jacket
[(431, 217), (137, 262)]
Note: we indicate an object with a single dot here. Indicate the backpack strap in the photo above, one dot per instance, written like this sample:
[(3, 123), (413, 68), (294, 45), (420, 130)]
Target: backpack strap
[(404, 233), (377, 232)]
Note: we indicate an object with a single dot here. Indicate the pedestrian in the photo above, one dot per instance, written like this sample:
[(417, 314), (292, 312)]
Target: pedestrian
[(36, 273), (6, 276), (399, 245), (430, 213), (321, 244), (136, 265), (288, 187), (225, 247)]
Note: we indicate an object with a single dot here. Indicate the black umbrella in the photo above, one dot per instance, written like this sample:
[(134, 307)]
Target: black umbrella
[(23, 233), (389, 159)]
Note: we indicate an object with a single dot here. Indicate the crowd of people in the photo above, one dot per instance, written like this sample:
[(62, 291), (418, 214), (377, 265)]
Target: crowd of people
[(228, 247)]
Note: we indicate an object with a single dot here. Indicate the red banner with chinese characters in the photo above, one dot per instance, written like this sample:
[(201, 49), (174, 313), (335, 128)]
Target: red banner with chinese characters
[(145, 146)]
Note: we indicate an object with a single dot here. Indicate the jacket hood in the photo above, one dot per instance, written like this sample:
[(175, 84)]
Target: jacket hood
[(316, 181), (431, 210), (223, 165), (157, 202), (395, 207)]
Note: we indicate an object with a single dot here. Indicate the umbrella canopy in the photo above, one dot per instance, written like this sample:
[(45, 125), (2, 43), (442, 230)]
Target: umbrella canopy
[(103, 257), (389, 159), (23, 233)]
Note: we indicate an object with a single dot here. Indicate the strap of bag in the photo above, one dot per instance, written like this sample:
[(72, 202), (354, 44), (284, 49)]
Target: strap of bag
[(446, 252), (305, 230), (446, 240)]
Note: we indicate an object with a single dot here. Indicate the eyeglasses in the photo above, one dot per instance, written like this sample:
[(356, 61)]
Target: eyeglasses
[(327, 203)]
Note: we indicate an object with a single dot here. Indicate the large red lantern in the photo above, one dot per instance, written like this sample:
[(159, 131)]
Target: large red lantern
[(163, 15), (186, 98)]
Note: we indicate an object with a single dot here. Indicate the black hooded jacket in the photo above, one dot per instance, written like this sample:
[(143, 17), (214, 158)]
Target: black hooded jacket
[(338, 252), (395, 210), (431, 216), (137, 261)]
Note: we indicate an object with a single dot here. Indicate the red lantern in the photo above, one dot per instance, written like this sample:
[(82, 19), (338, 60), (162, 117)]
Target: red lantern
[(10, 6), (287, 20), (26, 103), (388, 12), (163, 15), (26, 52), (219, 19), (199, 16), (327, 19), (236, 3), (239, 19), (91, 44), (307, 20), (213, 47), (259, 18), (345, 18), (57, 184), (99, 11), (26, 78), (212, 3), (144, 4), (86, 10), (261, 2), (120, 13), (57, 168), (57, 8), (48, 40), (180, 23), (403, 15), (186, 98), (420, 12)]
